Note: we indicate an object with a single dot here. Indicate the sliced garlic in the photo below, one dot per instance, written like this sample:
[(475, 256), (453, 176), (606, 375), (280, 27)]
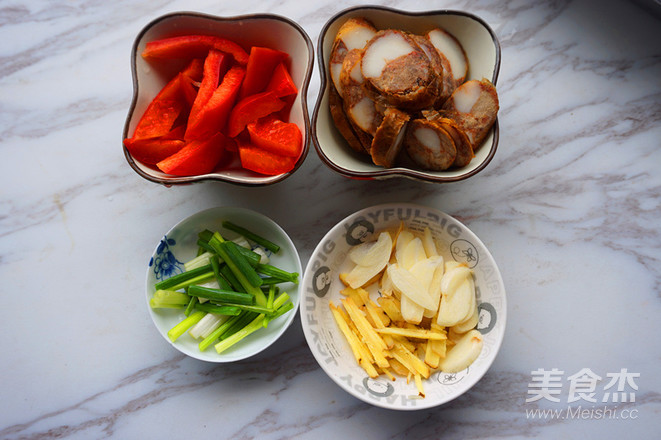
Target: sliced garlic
[(408, 284), (463, 354), (435, 289), (403, 239), (411, 312), (376, 259), (468, 324), (366, 254), (429, 243), (456, 300), (414, 252), (386, 284)]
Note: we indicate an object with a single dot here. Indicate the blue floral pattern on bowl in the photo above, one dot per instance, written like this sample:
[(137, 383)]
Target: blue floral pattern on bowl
[(164, 263)]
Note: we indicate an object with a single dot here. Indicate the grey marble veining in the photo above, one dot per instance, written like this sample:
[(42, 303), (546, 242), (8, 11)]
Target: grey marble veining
[(570, 208)]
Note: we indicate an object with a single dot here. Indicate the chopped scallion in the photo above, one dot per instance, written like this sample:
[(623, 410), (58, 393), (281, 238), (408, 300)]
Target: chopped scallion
[(251, 236)]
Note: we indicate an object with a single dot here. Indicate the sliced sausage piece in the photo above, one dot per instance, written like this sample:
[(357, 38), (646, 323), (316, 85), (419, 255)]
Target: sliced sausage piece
[(389, 137), (429, 146), (461, 142), (342, 122), (448, 81), (353, 34), (358, 105), (474, 107), (445, 84), (448, 45), (364, 137), (399, 70)]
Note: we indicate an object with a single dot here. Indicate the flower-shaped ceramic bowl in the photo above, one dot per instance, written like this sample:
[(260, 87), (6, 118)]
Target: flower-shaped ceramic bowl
[(321, 284), (267, 30), (179, 245), (482, 50)]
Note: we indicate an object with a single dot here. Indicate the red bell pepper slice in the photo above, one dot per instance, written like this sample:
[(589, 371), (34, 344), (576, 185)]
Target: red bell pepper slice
[(162, 111), (194, 70), (176, 133), (213, 116), (159, 118), (214, 65), (278, 137), (191, 79), (189, 92), (196, 157), (250, 109), (152, 151), (261, 63), (193, 46), (231, 145), (264, 162), (281, 83)]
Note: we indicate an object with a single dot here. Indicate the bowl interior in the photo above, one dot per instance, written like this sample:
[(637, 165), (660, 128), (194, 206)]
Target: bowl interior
[(483, 52), (179, 245), (321, 285), (251, 30)]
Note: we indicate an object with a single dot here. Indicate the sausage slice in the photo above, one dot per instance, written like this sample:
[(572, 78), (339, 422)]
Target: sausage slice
[(358, 105), (389, 137), (399, 70), (446, 44), (342, 122), (461, 142), (429, 146), (474, 107), (353, 34)]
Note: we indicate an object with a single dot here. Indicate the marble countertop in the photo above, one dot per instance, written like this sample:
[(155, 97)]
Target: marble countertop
[(570, 208)]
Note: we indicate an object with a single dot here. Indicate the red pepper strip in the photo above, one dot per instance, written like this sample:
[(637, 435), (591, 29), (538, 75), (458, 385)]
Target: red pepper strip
[(284, 112), (231, 145), (176, 133), (278, 137), (189, 91), (213, 116), (264, 162), (193, 46), (191, 79), (152, 151), (162, 112), (196, 157), (194, 70), (213, 64), (159, 119), (250, 109), (261, 63), (281, 83)]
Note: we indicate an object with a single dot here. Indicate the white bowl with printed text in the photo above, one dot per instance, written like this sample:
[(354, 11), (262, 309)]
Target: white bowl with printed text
[(321, 284)]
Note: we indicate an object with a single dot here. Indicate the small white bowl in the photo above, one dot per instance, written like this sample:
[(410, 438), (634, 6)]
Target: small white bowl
[(321, 284), (483, 52), (268, 30), (178, 245)]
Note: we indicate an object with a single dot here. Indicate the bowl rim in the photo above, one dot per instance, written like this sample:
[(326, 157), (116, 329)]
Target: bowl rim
[(397, 171), (303, 90), (337, 228), (238, 210)]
